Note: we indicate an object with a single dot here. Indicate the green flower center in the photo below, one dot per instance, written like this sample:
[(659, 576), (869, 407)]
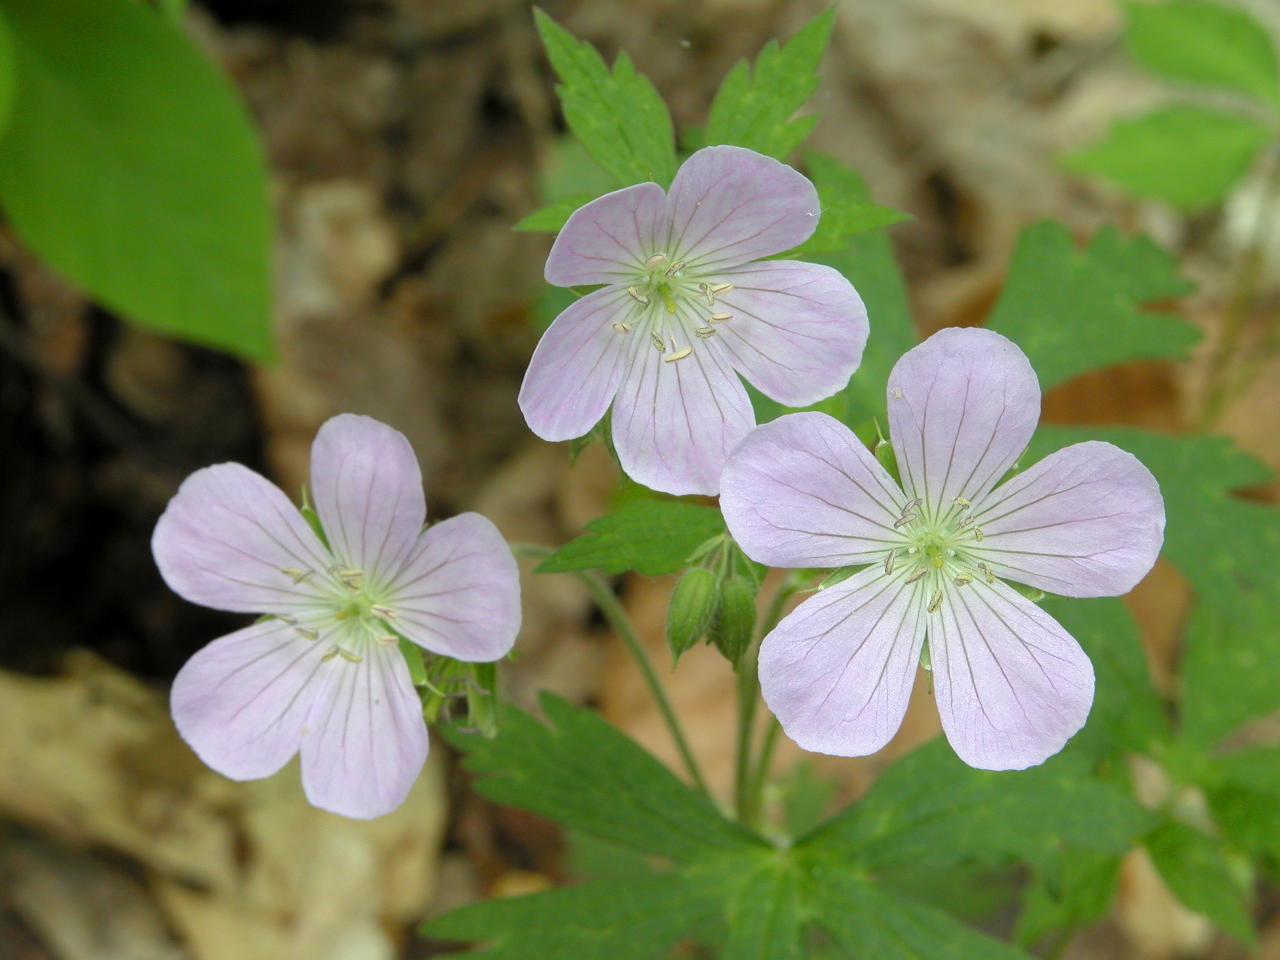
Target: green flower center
[(675, 307)]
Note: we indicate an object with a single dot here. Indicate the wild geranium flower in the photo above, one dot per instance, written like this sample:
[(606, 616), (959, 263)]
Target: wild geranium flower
[(687, 305), (324, 674), (1012, 686)]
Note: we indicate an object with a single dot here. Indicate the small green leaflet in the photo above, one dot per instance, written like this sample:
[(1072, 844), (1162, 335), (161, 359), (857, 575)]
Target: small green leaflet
[(1187, 155), (755, 108), (617, 116), (1245, 797), (1194, 865), (550, 218), (1074, 893), (131, 168), (652, 537), (1209, 44), (1073, 311), (847, 209), (764, 915)]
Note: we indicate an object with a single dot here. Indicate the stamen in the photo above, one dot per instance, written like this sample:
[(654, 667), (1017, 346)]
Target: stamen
[(964, 523), (307, 633), (903, 520), (285, 618), (936, 602), (978, 534), (961, 579), (348, 656), (637, 296), (329, 654), (911, 504), (676, 268), (350, 577), (888, 560), (296, 575), (383, 611), (962, 503), (657, 342), (720, 317), (916, 576), (987, 575), (720, 288), (705, 289), (678, 355), (389, 641), (705, 332), (621, 327), (657, 260)]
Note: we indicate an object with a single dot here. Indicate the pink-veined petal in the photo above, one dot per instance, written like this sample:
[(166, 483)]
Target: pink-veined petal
[(367, 740), (838, 671), (367, 490), (578, 365), (1087, 521), (230, 539), (962, 408), (797, 331), (1012, 686), (609, 239), (674, 422), (730, 205), (242, 702), (459, 594), (802, 491)]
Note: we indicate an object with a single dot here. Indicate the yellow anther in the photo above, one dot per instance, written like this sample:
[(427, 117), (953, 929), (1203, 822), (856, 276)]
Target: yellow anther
[(962, 503), (637, 296), (705, 332), (720, 288), (307, 633), (296, 575), (978, 534), (964, 523), (389, 641), (621, 327), (916, 576), (678, 354), (657, 343), (675, 268), (987, 575), (383, 611), (903, 520), (961, 579), (349, 577), (720, 317), (911, 505), (936, 602), (657, 260), (285, 618), (329, 655), (347, 655), (888, 560)]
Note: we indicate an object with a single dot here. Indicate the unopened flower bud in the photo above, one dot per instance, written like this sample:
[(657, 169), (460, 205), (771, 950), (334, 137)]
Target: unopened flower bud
[(733, 627), (694, 603)]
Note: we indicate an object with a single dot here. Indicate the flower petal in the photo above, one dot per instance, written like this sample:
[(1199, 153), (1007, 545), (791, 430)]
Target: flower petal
[(229, 539), (674, 422), (730, 205), (802, 491), (1087, 521), (608, 239), (962, 408), (459, 594), (578, 365), (797, 331), (838, 671), (367, 740), (367, 488), (1012, 686), (242, 702)]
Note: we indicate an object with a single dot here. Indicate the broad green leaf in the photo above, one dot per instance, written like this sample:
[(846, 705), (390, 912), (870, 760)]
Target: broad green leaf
[(131, 168), (616, 115), (931, 808), (754, 107), (1074, 311), (8, 74), (588, 776), (847, 210), (871, 922), (1210, 44), (652, 537), (550, 218), (1246, 799), (765, 916), (1194, 866), (638, 919), (1227, 548), (1189, 156), (1075, 893), (1127, 713)]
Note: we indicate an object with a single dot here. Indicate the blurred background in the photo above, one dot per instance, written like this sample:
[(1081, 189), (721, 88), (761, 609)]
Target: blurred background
[(404, 138)]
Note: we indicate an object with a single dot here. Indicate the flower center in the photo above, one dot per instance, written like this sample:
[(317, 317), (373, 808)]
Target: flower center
[(939, 547), (352, 614), (674, 306)]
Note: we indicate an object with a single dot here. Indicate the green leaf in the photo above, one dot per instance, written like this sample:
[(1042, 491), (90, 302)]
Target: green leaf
[(1077, 311), (552, 217), (588, 776), (847, 210), (652, 537), (1076, 893), (765, 915), (878, 924), (131, 168), (1246, 799), (8, 74), (931, 808), (754, 108), (1194, 866), (638, 919), (617, 116), (1189, 156), (1210, 44)]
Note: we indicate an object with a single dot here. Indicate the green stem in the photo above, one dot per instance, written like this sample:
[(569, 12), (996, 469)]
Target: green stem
[(1220, 385), (614, 612)]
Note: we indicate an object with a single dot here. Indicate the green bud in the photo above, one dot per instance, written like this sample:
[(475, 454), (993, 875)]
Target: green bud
[(693, 606), (887, 458), (482, 698), (732, 630)]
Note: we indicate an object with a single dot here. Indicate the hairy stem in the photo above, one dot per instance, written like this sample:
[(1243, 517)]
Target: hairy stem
[(607, 601)]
